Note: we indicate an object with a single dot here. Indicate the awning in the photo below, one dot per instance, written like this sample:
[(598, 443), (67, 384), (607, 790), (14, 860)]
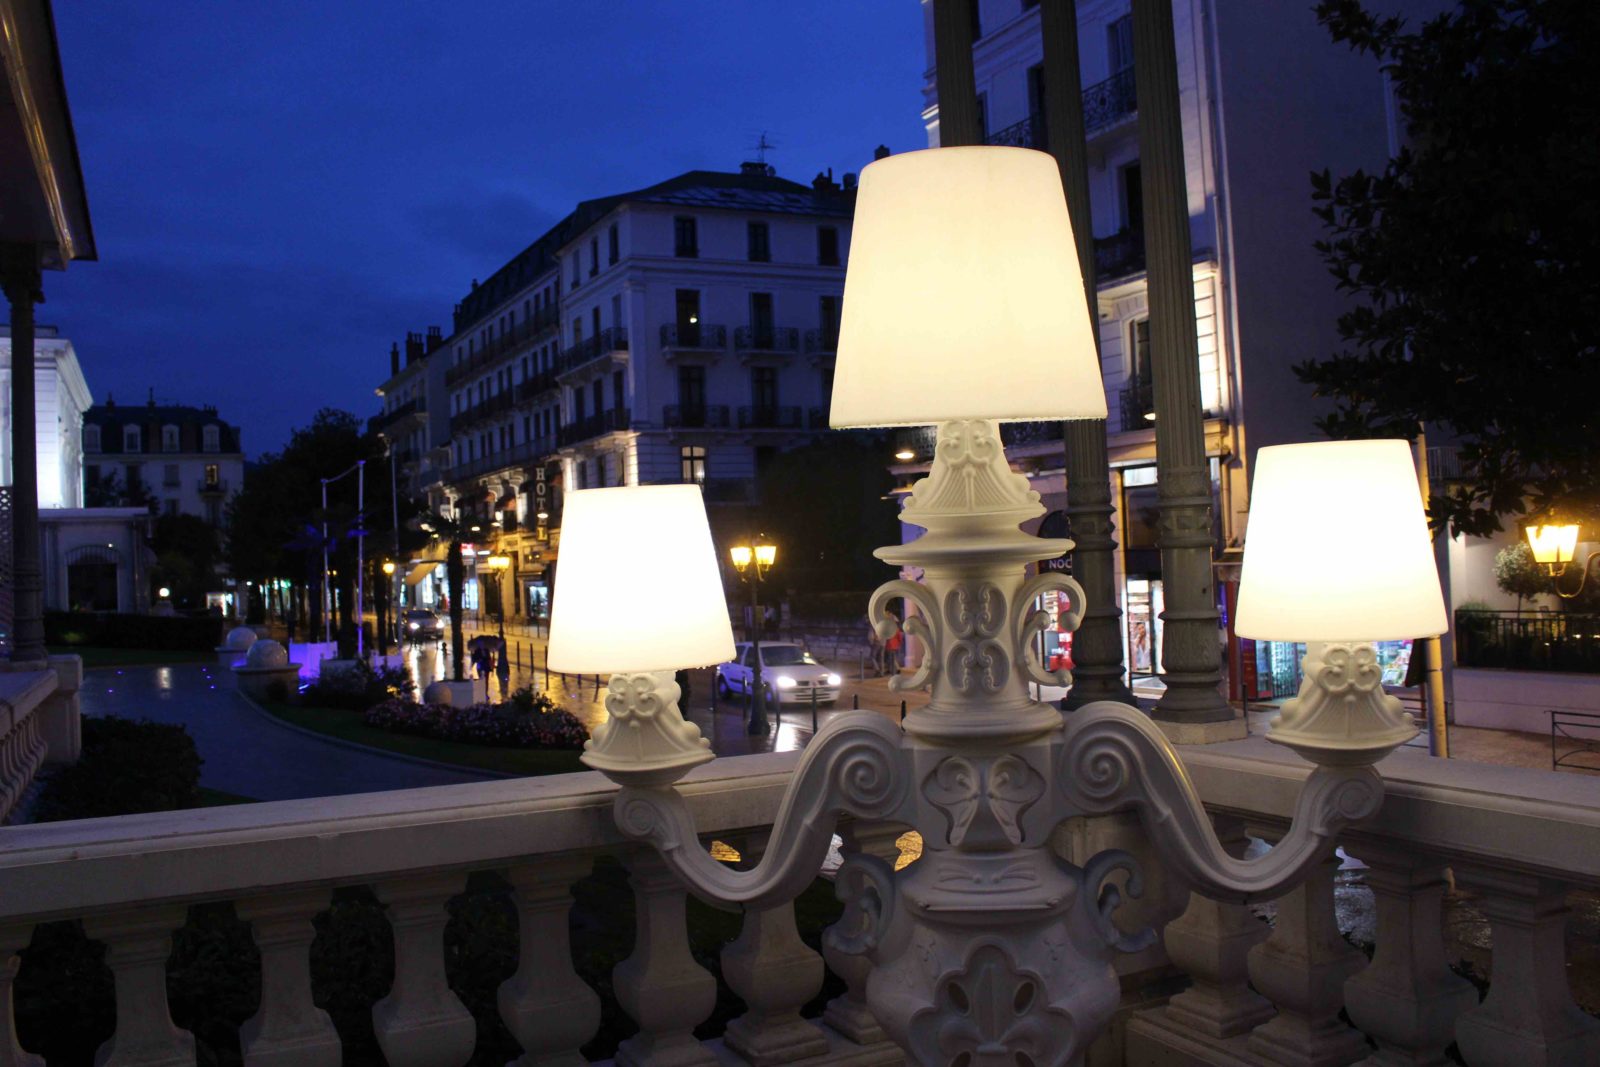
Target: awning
[(420, 571)]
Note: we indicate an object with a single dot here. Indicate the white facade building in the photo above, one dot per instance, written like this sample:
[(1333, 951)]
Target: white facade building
[(60, 401), (185, 459), (682, 332)]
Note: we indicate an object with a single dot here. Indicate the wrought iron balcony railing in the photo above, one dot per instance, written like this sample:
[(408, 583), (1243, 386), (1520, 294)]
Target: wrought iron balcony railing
[(766, 339), (769, 418), (822, 342), (490, 406), (1029, 133), (593, 426), (535, 385), (542, 322), (1109, 102), (1138, 405), (695, 416), (212, 486), (383, 420), (1030, 433), (604, 343), (700, 336), (1119, 256)]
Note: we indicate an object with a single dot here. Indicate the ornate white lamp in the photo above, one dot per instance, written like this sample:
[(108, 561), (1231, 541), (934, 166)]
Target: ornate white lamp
[(1339, 579), (963, 306), (615, 543)]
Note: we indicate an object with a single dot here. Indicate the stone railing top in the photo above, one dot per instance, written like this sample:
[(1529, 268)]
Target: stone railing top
[(72, 868), (1533, 821), (1524, 820), (21, 692)]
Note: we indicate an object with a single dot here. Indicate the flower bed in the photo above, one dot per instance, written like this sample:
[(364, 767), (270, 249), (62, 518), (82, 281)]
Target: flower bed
[(506, 725)]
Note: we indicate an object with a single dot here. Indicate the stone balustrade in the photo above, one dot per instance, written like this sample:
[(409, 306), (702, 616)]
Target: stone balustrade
[(38, 725), (1519, 839)]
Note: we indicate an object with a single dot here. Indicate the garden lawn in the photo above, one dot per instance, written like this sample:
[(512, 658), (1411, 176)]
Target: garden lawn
[(348, 726), (130, 657)]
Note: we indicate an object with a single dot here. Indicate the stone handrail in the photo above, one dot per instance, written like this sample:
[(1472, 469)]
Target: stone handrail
[(1520, 839), (38, 724)]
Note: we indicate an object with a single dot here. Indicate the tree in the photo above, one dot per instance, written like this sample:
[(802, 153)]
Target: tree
[(1472, 257), (455, 573), (1516, 573), (186, 558)]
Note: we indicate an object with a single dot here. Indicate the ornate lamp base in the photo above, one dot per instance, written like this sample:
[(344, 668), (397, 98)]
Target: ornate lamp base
[(1342, 716)]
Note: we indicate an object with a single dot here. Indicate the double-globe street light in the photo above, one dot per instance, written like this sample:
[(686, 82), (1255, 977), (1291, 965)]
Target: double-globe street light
[(752, 561), (1554, 546)]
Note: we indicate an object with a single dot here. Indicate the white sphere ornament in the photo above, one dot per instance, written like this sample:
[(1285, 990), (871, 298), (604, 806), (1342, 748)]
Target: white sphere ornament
[(266, 654), (240, 638)]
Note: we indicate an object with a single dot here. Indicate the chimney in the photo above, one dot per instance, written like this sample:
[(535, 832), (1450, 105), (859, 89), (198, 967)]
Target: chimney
[(414, 348), (394, 359), (757, 170), (849, 181), (881, 152), (435, 339), (824, 183)]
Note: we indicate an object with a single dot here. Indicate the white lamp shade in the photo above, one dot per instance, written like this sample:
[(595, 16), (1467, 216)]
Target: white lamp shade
[(963, 298), (628, 553), (1337, 547)]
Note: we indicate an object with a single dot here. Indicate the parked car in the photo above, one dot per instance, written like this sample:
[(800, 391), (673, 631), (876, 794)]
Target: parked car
[(423, 625), (788, 674)]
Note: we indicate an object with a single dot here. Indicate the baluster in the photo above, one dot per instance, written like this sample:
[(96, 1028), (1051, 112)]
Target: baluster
[(1212, 942), (660, 986), (1528, 1018), (421, 1023), (288, 1030), (13, 938), (1408, 999), (137, 946), (1302, 969), (848, 1013), (774, 973), (545, 1005)]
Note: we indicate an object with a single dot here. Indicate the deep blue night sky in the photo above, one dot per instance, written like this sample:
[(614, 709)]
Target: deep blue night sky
[(280, 190)]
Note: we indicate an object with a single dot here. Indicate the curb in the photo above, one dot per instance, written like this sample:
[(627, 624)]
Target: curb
[(356, 746)]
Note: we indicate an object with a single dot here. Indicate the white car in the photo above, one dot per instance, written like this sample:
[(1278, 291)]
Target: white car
[(788, 674)]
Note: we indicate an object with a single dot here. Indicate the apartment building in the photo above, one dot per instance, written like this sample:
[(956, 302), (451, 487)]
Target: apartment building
[(1266, 98), (178, 459), (680, 332)]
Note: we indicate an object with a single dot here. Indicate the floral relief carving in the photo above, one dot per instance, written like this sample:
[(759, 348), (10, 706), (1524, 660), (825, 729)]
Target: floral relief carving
[(984, 799), (991, 1013)]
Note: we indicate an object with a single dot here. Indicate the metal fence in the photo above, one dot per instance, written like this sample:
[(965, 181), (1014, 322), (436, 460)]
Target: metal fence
[(7, 584), (1532, 641)]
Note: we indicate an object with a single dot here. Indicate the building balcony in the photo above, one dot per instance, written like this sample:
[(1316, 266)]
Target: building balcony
[(695, 416), (1518, 842), (488, 408), (693, 337), (822, 342), (780, 340), (537, 385), (602, 345), (769, 418), (412, 410), (518, 455), (1029, 133), (1023, 434), (594, 426), (1109, 103), (1119, 256), (212, 486), (526, 332)]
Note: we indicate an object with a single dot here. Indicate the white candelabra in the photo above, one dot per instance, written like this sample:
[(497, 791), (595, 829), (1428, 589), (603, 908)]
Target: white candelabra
[(991, 944)]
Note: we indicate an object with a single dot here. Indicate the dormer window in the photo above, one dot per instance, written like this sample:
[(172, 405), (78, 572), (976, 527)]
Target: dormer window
[(169, 439), (211, 438), (91, 438), (131, 439)]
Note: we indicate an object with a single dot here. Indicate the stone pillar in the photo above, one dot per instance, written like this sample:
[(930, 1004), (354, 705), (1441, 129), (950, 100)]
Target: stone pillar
[(1097, 646), (545, 1005), (660, 986), (1190, 660), (960, 121), (19, 277)]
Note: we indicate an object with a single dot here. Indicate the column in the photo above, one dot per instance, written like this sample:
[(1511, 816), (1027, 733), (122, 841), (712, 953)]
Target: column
[(1097, 672), (545, 1005), (1529, 1018), (19, 278), (13, 938), (1190, 660), (960, 121)]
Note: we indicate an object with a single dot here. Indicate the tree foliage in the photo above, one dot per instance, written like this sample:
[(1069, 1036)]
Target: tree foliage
[(1517, 574), (1472, 256)]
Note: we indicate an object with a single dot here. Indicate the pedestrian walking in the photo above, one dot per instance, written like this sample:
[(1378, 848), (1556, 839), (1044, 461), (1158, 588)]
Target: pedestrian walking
[(891, 653), (502, 666)]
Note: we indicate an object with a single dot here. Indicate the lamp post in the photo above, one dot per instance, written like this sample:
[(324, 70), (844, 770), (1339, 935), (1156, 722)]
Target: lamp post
[(394, 602), (499, 564), (752, 561), (949, 243)]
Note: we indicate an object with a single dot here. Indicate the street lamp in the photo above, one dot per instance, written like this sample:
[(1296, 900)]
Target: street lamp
[(752, 561), (1554, 546), (394, 600), (500, 564)]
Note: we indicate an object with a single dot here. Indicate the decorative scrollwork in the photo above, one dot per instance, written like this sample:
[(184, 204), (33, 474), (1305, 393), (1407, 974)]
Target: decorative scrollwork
[(922, 626), (866, 774), (1108, 898), (1346, 667), (976, 665), (992, 1011), (984, 798), (865, 885), (1030, 623), (975, 610)]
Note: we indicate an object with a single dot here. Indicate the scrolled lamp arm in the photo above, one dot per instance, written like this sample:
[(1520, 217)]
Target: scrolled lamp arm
[(1113, 758), (852, 767)]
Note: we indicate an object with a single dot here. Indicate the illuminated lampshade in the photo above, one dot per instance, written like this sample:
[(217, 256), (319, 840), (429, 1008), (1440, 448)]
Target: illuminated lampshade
[(1338, 548), (626, 551), (963, 298), (1553, 544)]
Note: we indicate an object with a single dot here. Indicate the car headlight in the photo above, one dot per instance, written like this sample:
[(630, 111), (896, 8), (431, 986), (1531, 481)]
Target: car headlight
[(783, 681), (416, 626), (834, 679)]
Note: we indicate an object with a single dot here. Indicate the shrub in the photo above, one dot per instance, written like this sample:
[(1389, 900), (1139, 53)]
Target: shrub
[(127, 766), (501, 726), (359, 687)]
